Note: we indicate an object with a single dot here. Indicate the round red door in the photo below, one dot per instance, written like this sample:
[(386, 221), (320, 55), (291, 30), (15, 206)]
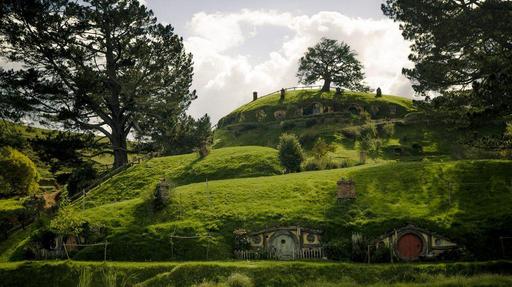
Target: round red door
[(410, 246)]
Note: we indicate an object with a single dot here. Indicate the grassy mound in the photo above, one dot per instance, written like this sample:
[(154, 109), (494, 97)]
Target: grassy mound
[(302, 98), (415, 137), (235, 162), (468, 201), (271, 274)]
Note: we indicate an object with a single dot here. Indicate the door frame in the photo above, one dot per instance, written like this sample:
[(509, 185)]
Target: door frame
[(424, 246), (287, 233)]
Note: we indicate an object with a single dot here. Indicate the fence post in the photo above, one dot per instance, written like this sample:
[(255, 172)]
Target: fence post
[(105, 251), (65, 249)]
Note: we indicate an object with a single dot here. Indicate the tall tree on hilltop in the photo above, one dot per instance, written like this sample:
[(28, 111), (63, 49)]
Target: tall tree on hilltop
[(461, 49), (332, 62), (99, 65)]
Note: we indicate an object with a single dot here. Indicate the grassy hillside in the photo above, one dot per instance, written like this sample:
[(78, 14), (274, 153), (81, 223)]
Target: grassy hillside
[(414, 138), (300, 98), (268, 274), (465, 200), (234, 162)]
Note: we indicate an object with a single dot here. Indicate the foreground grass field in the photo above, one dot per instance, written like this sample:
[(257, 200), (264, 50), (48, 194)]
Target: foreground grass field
[(278, 274)]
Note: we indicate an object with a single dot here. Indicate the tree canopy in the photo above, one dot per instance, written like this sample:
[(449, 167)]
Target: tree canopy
[(19, 174), (100, 65), (461, 49), (332, 62)]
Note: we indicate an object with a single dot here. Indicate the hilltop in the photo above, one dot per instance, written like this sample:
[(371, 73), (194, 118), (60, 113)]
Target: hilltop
[(338, 119)]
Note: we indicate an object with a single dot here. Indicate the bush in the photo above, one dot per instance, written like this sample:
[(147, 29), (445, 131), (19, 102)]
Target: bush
[(311, 122), (68, 222), (291, 154), (80, 178), (321, 148), (239, 280), (351, 133), (19, 174), (287, 125), (320, 164)]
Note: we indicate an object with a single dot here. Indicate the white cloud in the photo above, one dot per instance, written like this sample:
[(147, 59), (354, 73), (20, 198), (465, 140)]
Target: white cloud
[(225, 74)]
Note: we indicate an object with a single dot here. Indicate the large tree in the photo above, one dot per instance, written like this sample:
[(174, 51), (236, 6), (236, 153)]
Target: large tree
[(332, 62), (462, 49), (98, 65)]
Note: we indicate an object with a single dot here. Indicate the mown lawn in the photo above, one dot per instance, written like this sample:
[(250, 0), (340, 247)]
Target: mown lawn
[(262, 273)]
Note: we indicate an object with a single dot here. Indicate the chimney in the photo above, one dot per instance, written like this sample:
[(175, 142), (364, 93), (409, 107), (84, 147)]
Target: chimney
[(283, 91), (254, 96)]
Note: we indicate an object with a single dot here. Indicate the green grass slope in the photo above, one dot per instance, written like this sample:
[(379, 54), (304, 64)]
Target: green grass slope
[(299, 97), (468, 201), (415, 137), (234, 162), (263, 274)]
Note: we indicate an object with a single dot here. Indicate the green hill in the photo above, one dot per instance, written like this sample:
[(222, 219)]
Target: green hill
[(339, 119), (464, 200)]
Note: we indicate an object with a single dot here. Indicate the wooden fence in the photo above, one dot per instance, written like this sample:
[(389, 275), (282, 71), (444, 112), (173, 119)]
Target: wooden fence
[(303, 254)]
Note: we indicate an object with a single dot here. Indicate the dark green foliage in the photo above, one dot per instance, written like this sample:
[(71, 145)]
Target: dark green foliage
[(178, 136), (64, 149), (80, 178), (144, 65), (321, 148), (291, 154), (10, 136), (463, 45), (19, 175), (287, 125), (332, 62)]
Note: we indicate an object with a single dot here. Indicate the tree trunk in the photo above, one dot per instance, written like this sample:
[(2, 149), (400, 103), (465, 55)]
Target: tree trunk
[(119, 147), (327, 86)]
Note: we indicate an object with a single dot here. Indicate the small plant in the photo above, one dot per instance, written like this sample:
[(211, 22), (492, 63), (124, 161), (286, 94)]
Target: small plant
[(85, 278), (68, 221), (291, 154), (239, 280), (321, 148)]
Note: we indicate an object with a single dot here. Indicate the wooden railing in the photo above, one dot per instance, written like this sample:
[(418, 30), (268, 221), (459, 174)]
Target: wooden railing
[(298, 88), (316, 253), (109, 174)]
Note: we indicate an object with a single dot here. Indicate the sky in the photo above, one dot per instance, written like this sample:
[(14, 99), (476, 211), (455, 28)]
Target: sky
[(241, 46), (244, 46)]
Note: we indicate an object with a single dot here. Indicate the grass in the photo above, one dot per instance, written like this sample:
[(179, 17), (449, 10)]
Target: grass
[(235, 162), (278, 274), (468, 201), (10, 205), (300, 96)]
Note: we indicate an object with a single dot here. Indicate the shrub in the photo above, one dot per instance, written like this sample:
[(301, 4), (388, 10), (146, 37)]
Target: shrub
[(320, 164), (351, 133), (321, 148), (239, 280), (311, 122), (80, 178), (68, 222), (291, 154), (287, 125), (19, 174), (312, 164)]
